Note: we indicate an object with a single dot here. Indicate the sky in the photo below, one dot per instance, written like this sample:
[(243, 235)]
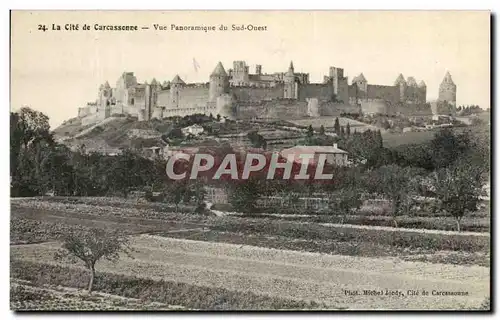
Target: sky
[(56, 72)]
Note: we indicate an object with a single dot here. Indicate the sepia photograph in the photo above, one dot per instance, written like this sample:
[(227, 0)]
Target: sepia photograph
[(182, 161)]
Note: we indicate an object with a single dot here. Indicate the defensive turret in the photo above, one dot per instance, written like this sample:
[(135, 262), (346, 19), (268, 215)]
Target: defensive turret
[(175, 86), (448, 90), (219, 83)]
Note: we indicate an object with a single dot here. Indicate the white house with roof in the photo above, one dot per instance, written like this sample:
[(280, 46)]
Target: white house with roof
[(195, 130), (334, 155)]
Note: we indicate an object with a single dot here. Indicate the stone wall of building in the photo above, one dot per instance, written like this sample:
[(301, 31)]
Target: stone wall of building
[(375, 106), (224, 106), (257, 94), (387, 93), (117, 109), (89, 119), (313, 107), (323, 92), (415, 109), (277, 109), (336, 109), (188, 97), (415, 94)]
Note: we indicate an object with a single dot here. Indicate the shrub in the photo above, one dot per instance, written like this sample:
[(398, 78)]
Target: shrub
[(396, 237), (169, 292)]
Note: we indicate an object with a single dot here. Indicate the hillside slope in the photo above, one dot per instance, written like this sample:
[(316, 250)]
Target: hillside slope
[(113, 133)]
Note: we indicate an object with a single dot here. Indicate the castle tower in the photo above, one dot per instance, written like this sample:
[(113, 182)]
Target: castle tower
[(361, 82), (105, 94), (448, 90), (339, 82), (361, 85), (290, 86), (423, 91), (412, 92), (155, 88), (258, 69), (148, 101), (411, 82), (401, 83), (175, 88), (104, 101), (219, 83), (240, 73)]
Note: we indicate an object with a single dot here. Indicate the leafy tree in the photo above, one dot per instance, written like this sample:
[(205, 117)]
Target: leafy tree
[(336, 126), (386, 124), (257, 140), (394, 183), (30, 141), (218, 117), (458, 189), (447, 147), (342, 132), (90, 246), (378, 139), (243, 195), (292, 199), (414, 155), (310, 132), (57, 173), (174, 192), (322, 130), (345, 201), (348, 129), (199, 194)]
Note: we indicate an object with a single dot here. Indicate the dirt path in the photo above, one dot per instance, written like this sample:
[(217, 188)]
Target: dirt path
[(299, 275)]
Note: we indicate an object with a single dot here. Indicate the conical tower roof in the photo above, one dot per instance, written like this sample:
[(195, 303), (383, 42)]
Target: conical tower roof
[(290, 72), (177, 80), (359, 78), (447, 78), (422, 84), (106, 85), (219, 70), (411, 82), (400, 80)]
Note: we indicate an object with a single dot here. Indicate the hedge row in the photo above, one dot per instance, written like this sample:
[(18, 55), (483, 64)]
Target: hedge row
[(438, 223), (168, 292), (396, 238)]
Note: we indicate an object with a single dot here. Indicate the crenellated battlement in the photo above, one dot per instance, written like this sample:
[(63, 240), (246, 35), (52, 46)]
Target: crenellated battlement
[(240, 88)]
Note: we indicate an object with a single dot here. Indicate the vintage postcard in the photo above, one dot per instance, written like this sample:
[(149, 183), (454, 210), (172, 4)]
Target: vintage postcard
[(241, 160)]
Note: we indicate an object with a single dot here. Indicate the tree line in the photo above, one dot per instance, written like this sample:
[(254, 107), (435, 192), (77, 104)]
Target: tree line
[(452, 167)]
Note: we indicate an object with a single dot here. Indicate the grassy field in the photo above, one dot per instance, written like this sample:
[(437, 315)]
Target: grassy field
[(328, 122), (35, 220), (220, 271), (396, 139), (26, 296), (217, 275)]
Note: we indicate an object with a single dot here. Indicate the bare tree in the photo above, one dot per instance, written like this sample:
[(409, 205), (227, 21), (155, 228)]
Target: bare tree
[(458, 189), (92, 245)]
